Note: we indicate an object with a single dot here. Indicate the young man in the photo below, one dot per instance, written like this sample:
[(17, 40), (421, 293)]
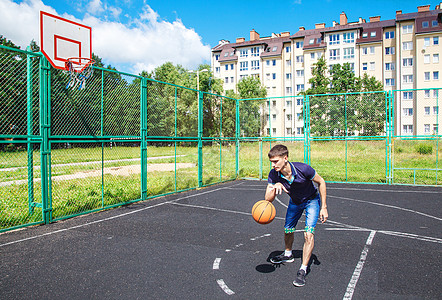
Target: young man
[(296, 179)]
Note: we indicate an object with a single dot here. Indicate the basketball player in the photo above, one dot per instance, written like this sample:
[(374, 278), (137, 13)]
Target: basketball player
[(296, 179)]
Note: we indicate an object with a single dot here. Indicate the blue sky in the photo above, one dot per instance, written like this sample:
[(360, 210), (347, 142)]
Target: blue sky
[(135, 35)]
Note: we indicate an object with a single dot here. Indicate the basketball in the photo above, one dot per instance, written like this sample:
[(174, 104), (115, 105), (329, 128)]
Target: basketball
[(263, 212)]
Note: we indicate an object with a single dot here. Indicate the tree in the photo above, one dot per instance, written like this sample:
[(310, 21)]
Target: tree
[(251, 120)]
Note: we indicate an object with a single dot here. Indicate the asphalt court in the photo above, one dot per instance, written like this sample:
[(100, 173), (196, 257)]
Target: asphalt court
[(380, 242)]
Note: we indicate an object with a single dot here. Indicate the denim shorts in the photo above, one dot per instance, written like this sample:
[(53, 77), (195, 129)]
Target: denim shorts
[(294, 212)]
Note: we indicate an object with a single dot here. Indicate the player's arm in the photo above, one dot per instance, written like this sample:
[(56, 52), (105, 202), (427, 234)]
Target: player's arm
[(274, 189), (323, 214)]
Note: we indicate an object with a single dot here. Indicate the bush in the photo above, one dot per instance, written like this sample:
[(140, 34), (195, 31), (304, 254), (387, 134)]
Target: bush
[(424, 149)]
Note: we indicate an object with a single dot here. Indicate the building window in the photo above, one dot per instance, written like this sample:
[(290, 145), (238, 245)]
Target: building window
[(349, 52), (407, 128), (288, 76), (436, 58), (364, 67), (288, 49), (407, 29), (274, 62), (435, 129), (371, 50), (273, 76), (254, 64), (231, 66), (334, 54), (299, 73), (365, 35), (226, 80), (389, 81), (289, 130), (435, 110), (408, 95), (288, 63), (427, 110), (348, 37), (426, 58), (299, 130), (426, 42), (407, 46), (300, 58), (425, 24), (274, 48), (434, 23), (299, 45), (389, 66), (407, 62), (436, 40), (298, 116), (216, 57), (288, 103), (408, 111), (389, 35), (436, 75), (389, 50), (217, 69), (333, 39), (373, 34), (243, 53), (227, 67), (364, 50), (243, 65), (254, 51), (407, 78), (426, 128), (435, 93), (288, 90), (372, 66), (231, 80), (311, 41), (299, 102), (299, 87), (427, 94), (312, 55)]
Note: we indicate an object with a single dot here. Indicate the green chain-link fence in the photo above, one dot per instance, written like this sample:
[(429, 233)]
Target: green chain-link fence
[(126, 138)]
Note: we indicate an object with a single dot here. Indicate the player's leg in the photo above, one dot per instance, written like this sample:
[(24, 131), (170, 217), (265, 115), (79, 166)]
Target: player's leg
[(293, 214), (311, 218)]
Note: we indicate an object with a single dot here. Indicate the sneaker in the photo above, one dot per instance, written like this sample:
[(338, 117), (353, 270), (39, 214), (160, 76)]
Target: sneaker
[(300, 278), (279, 259)]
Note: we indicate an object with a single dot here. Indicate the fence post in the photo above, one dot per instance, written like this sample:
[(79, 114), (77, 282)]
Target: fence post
[(45, 152), (237, 133), (143, 133), (200, 138), (30, 146), (306, 129)]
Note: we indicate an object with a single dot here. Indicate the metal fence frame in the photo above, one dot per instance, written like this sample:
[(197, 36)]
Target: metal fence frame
[(40, 135)]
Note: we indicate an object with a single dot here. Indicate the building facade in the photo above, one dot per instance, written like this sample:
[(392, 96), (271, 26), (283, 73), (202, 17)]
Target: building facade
[(402, 53)]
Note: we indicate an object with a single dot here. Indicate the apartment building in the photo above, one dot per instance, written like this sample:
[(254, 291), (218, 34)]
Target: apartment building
[(403, 53)]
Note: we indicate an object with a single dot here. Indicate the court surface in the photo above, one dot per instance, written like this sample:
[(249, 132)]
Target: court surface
[(381, 242)]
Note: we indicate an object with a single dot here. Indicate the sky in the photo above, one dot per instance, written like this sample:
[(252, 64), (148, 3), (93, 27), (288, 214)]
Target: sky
[(137, 35)]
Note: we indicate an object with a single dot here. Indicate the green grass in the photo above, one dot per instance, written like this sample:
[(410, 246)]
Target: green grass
[(354, 161)]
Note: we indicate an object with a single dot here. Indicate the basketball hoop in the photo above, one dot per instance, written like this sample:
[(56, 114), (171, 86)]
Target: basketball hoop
[(79, 69)]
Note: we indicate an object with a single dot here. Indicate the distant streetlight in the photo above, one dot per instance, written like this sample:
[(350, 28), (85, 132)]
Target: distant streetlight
[(198, 77)]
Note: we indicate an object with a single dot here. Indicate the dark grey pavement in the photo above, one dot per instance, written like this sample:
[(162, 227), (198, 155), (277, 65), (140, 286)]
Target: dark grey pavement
[(381, 242)]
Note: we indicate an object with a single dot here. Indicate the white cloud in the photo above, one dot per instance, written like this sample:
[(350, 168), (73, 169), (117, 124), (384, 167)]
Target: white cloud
[(144, 44), (95, 7)]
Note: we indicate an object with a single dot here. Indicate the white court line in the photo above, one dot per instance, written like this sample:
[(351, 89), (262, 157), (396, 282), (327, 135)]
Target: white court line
[(358, 269), (383, 191), (218, 209), (389, 206), (224, 287), (107, 219), (216, 263)]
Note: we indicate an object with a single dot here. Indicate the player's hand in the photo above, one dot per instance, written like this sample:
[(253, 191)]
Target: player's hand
[(323, 215), (278, 187)]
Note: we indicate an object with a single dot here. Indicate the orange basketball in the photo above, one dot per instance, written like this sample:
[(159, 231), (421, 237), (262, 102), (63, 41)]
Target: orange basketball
[(263, 212)]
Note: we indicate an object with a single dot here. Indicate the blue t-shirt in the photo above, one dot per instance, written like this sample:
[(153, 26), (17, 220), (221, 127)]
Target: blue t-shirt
[(302, 187)]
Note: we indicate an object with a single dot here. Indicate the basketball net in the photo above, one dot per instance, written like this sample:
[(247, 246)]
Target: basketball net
[(79, 69)]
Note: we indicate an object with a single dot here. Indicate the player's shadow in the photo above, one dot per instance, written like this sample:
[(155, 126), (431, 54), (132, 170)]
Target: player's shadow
[(270, 267)]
